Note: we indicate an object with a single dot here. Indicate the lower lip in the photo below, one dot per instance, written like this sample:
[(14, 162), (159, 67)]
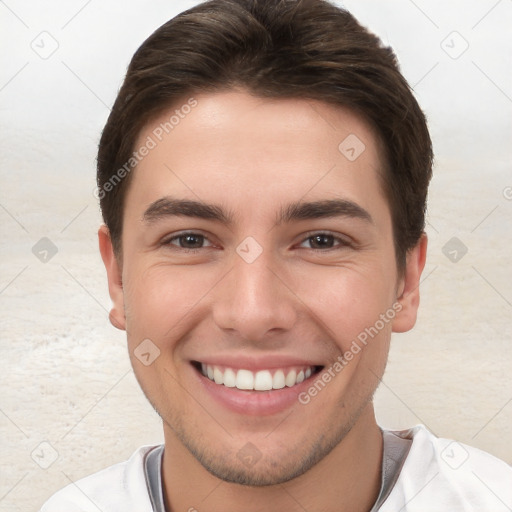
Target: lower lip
[(254, 403)]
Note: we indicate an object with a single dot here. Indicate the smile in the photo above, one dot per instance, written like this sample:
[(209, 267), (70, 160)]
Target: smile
[(262, 380), (255, 386)]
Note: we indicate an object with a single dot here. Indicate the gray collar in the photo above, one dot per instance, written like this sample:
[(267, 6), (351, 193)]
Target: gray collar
[(153, 472), (395, 452)]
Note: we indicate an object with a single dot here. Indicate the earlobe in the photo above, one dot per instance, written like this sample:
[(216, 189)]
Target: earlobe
[(409, 298), (114, 275)]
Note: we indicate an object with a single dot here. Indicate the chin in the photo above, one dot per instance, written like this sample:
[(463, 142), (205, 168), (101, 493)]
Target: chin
[(271, 466)]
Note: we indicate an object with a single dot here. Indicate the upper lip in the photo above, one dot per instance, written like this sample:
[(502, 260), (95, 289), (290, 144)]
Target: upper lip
[(256, 363)]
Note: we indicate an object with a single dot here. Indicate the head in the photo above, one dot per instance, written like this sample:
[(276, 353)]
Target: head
[(269, 114)]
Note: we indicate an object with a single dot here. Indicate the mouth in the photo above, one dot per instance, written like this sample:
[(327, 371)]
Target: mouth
[(254, 386), (261, 380)]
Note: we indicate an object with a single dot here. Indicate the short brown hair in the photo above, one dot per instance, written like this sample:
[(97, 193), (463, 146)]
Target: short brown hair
[(308, 49)]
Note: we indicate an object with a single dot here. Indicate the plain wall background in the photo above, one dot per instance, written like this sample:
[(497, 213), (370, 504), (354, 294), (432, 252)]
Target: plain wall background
[(66, 378)]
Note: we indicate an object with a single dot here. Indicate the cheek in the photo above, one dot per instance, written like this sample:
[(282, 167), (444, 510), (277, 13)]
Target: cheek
[(158, 298), (350, 303)]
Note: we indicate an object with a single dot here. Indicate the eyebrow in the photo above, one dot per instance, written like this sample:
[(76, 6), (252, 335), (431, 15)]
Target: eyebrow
[(299, 210)]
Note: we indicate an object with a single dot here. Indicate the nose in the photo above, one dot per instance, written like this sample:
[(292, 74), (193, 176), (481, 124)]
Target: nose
[(254, 300)]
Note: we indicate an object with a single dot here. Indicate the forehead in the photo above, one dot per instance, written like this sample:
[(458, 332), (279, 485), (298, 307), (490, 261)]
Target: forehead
[(254, 154)]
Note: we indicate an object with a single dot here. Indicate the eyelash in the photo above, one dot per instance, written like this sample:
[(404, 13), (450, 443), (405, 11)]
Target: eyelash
[(342, 241)]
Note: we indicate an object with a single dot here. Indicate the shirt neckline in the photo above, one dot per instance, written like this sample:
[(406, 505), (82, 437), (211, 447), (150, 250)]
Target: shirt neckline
[(395, 451)]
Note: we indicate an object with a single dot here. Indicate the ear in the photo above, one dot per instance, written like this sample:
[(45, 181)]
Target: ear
[(114, 275), (409, 289)]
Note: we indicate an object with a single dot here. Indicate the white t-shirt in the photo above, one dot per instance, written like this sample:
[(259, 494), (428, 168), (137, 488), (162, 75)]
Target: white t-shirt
[(433, 475)]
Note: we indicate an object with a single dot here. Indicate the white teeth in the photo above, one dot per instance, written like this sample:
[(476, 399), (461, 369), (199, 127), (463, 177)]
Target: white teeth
[(244, 379), (229, 378), (218, 376), (278, 381), (262, 380), (291, 378)]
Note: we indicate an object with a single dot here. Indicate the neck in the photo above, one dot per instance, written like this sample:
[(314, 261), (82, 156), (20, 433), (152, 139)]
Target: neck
[(347, 480)]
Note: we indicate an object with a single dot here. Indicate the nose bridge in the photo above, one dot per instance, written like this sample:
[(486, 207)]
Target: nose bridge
[(253, 300)]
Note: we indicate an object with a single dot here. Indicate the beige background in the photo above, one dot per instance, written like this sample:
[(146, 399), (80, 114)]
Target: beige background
[(66, 379)]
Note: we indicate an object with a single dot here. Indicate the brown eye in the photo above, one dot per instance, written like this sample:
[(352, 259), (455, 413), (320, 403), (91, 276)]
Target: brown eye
[(322, 241), (325, 241), (187, 241)]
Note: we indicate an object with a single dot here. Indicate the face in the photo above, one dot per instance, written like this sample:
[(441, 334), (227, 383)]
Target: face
[(257, 252)]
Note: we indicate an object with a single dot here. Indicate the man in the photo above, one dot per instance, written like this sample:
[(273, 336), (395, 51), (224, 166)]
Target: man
[(263, 179)]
